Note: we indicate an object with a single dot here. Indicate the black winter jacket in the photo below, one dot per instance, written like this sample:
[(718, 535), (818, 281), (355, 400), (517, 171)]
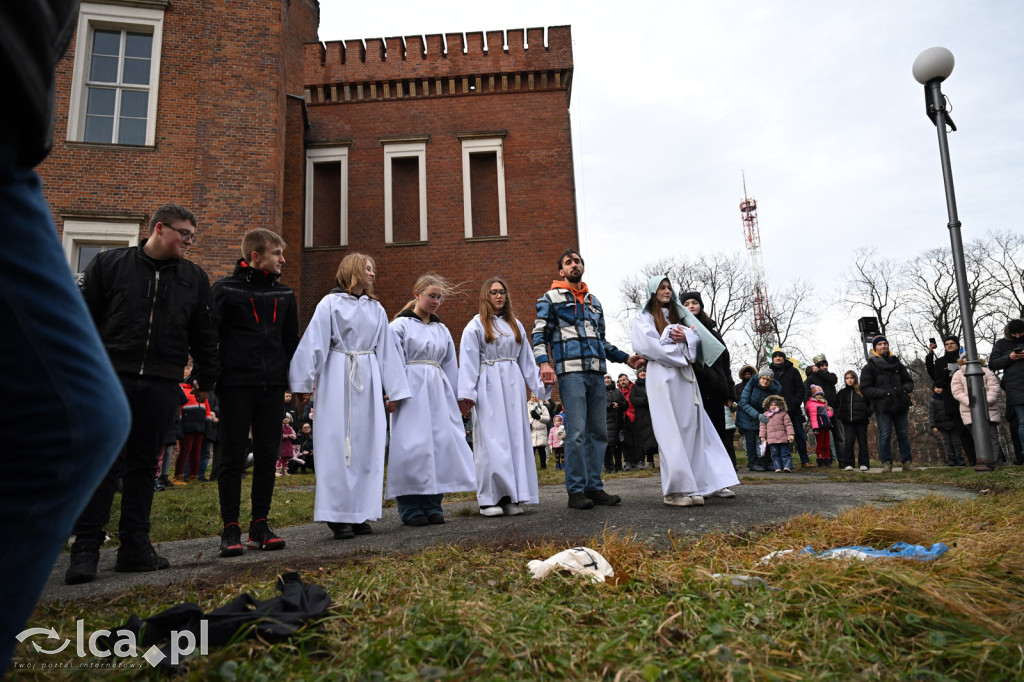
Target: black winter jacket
[(850, 407), (152, 314), (827, 381), (788, 377), (886, 382), (1013, 370), (643, 427), (614, 415), (259, 328), (937, 414), (941, 370)]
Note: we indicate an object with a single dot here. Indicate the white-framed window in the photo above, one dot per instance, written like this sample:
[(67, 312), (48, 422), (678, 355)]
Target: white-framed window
[(405, 192), (114, 84), (326, 196), (83, 239), (483, 188)]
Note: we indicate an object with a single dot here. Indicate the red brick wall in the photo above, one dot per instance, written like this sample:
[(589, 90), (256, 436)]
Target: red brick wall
[(220, 130), (537, 148)]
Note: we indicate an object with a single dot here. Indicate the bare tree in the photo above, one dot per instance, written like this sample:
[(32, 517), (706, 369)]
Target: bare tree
[(1004, 265), (877, 284), (723, 281), (790, 321)]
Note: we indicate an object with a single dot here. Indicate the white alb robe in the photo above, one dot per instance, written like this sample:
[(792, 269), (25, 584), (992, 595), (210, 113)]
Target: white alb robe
[(428, 453), (693, 458), (349, 353), (492, 375)]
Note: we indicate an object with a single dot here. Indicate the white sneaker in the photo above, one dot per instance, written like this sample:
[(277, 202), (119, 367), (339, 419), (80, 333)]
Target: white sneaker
[(724, 492), (492, 511), (698, 501), (512, 509), (677, 500), (863, 468), (847, 468)]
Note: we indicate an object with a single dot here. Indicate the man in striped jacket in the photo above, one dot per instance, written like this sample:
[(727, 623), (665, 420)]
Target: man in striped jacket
[(569, 344)]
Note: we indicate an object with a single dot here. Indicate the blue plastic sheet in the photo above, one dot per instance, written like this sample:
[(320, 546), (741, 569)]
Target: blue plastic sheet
[(899, 550)]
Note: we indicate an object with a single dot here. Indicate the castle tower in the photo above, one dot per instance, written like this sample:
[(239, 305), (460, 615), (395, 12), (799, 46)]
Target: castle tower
[(445, 153)]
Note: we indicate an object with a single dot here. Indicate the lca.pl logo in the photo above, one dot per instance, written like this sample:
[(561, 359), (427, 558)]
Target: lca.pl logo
[(182, 644)]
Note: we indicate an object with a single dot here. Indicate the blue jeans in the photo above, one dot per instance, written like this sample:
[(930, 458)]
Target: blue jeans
[(586, 436), (886, 423), (799, 435), (65, 416), (751, 445), (781, 459), (410, 506)]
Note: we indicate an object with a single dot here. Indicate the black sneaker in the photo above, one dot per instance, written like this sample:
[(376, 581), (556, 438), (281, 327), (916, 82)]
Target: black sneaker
[(83, 568), (418, 520), (261, 537), (139, 560), (601, 498), (435, 519), (231, 540), (580, 501), (362, 528), (342, 531)]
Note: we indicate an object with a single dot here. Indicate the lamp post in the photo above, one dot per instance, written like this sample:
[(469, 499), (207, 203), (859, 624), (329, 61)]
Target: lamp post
[(931, 68)]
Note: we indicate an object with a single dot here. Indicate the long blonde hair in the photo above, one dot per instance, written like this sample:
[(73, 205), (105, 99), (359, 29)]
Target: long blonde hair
[(426, 281), (352, 271), (487, 314), (654, 307)]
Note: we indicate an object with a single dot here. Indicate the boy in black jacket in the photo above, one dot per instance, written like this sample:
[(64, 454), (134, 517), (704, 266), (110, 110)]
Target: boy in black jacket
[(259, 330)]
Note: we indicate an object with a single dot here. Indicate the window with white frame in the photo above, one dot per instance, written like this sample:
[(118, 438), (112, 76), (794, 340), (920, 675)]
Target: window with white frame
[(114, 84), (84, 239), (326, 196), (483, 188), (405, 192)]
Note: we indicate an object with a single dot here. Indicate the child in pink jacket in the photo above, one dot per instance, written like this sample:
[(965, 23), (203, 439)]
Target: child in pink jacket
[(820, 416), (556, 441), (777, 433)]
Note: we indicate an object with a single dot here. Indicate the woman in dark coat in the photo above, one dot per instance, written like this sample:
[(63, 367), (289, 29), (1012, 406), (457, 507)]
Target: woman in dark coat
[(616, 407), (715, 382), (854, 411), (643, 429), (750, 415)]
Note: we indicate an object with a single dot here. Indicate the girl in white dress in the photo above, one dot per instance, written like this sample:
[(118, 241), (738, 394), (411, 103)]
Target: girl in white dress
[(694, 463), (428, 454), (495, 367), (350, 355)]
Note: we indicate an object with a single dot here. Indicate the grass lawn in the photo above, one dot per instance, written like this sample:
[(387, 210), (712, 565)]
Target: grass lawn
[(472, 612)]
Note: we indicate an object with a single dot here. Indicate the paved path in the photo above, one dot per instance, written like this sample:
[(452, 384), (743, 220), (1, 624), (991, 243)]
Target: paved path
[(642, 512)]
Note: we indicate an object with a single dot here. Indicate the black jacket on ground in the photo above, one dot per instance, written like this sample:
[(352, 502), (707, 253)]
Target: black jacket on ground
[(850, 407), (886, 382), (152, 314), (259, 328), (643, 427), (827, 381), (788, 377), (1013, 370), (614, 415)]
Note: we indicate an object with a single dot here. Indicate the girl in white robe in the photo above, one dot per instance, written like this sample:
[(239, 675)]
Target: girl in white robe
[(428, 454), (349, 354), (694, 463), (496, 364)]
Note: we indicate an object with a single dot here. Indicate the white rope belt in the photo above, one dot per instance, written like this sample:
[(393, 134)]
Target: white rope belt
[(494, 361), (355, 381), (434, 363)]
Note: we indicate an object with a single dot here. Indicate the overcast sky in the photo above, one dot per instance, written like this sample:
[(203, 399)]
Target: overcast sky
[(813, 100)]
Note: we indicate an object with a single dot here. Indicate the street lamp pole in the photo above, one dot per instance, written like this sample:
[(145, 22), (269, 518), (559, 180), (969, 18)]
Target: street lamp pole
[(931, 68)]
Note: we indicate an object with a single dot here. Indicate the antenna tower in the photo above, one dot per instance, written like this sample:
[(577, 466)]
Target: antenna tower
[(752, 237)]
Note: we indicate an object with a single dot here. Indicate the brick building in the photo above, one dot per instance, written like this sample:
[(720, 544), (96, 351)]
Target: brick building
[(427, 154)]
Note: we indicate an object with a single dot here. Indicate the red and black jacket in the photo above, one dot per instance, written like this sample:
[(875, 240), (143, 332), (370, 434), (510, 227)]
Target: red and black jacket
[(259, 328)]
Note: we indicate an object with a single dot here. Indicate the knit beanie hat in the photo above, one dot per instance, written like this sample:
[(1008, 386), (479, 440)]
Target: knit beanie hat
[(695, 295), (766, 372), (877, 340), (815, 390), (778, 352), (1015, 327), (953, 338)]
